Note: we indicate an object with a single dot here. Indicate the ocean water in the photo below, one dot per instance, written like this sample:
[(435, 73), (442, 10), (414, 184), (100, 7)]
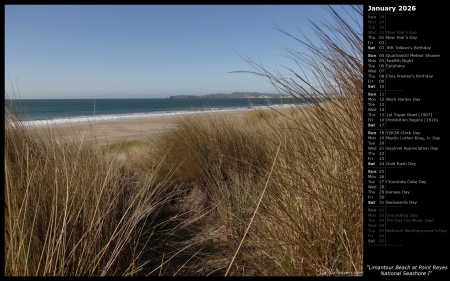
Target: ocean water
[(62, 111)]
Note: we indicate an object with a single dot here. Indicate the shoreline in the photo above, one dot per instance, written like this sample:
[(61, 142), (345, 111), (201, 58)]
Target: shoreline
[(110, 131), (140, 115)]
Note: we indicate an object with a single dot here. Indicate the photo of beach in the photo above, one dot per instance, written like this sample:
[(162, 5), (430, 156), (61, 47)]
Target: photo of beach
[(204, 140)]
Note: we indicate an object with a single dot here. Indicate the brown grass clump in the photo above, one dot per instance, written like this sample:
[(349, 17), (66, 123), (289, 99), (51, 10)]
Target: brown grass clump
[(309, 221), (70, 212)]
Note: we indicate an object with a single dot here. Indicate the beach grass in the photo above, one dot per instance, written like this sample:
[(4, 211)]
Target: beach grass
[(294, 180), (121, 146), (275, 192), (194, 190), (69, 211)]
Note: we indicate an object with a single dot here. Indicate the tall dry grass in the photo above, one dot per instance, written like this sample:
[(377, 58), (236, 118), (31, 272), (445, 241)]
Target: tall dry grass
[(70, 212), (305, 216), (314, 224), (309, 220)]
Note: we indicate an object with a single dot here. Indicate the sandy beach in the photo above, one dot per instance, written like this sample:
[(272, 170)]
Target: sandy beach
[(132, 129)]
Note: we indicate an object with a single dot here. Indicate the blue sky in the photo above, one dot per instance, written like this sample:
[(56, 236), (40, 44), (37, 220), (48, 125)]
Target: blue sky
[(146, 51)]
